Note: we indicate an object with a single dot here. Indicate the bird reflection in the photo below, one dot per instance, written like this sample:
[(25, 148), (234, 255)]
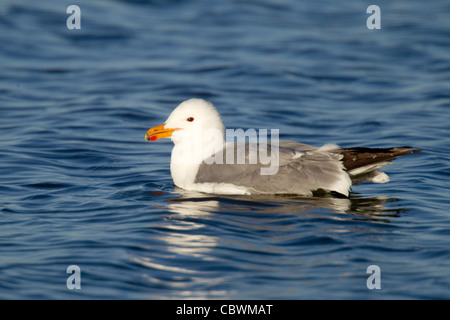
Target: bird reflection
[(195, 214), (355, 207), (204, 234)]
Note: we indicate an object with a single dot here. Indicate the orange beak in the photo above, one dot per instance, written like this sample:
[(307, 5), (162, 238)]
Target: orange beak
[(159, 132)]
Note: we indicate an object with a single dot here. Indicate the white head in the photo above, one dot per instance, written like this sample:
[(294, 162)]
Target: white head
[(197, 118), (193, 115), (195, 128)]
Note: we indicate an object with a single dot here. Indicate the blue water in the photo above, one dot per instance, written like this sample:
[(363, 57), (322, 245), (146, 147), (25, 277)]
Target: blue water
[(80, 186)]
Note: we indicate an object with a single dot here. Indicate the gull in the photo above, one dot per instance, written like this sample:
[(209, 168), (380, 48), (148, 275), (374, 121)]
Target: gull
[(203, 160)]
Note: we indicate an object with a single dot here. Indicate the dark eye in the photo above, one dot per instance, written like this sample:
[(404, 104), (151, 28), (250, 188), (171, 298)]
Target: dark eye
[(190, 119)]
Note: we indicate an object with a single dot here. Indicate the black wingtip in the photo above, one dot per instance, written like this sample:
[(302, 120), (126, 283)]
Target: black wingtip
[(358, 157), (405, 150)]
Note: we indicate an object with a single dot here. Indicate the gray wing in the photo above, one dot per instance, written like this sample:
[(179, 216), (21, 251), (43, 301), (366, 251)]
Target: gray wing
[(299, 168)]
